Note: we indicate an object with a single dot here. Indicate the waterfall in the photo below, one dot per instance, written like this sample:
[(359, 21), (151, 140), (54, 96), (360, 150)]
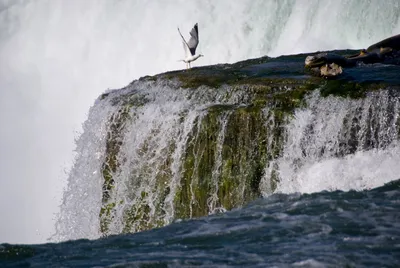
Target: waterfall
[(82, 199), (164, 152), (341, 144), (140, 136), (57, 56)]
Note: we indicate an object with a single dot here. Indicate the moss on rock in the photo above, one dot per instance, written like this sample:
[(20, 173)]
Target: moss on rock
[(350, 89), (111, 164)]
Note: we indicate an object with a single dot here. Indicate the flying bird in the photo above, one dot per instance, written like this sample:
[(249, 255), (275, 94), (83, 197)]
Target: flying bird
[(190, 47)]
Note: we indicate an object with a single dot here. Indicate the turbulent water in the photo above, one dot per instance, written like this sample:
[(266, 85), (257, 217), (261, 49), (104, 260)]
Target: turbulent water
[(325, 229), (58, 56), (342, 144)]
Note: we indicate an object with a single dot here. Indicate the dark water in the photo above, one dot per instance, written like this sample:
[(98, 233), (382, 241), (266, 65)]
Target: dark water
[(327, 229)]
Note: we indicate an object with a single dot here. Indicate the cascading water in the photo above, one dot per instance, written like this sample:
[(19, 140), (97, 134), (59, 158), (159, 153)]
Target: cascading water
[(341, 144), (217, 169), (146, 170), (86, 188), (57, 56), (157, 136), (171, 154)]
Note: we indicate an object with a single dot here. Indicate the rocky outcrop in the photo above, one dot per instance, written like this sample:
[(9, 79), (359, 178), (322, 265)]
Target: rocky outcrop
[(213, 133)]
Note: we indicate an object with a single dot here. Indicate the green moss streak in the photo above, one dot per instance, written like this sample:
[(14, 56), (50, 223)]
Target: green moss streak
[(110, 165), (349, 89), (191, 199)]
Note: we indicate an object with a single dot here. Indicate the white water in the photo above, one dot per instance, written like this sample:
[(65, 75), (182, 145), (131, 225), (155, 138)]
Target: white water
[(315, 159), (85, 201), (156, 129), (213, 199), (57, 56)]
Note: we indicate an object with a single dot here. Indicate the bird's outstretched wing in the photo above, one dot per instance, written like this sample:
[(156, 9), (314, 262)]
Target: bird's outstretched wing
[(193, 41), (186, 49), (185, 44)]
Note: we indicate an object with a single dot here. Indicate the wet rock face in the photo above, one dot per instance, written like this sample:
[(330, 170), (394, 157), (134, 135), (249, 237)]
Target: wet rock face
[(189, 143)]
